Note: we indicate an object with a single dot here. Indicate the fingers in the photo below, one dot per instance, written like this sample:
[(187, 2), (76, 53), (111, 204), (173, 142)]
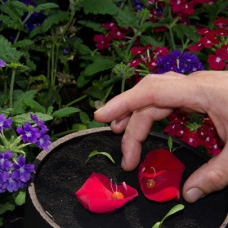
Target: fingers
[(137, 130), (210, 177), (158, 90), (118, 125)]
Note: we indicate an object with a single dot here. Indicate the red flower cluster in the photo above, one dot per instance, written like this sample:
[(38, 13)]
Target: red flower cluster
[(195, 134), (114, 32), (214, 39)]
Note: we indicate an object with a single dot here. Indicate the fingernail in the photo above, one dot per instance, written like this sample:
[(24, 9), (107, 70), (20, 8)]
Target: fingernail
[(194, 194), (122, 164), (98, 110)]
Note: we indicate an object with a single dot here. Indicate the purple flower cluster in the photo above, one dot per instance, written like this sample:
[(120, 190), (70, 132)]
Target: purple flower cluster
[(4, 122), (36, 19), (180, 62), (138, 5), (35, 134), (2, 63), (14, 175)]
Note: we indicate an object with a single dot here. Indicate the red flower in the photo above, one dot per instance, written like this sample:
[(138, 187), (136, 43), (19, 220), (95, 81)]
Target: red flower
[(220, 22), (191, 138), (216, 62), (102, 41), (117, 34), (160, 175), (96, 194)]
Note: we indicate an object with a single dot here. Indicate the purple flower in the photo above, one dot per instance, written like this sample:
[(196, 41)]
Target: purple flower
[(28, 133), (44, 142), (7, 182), (180, 62), (5, 163), (5, 123), (22, 171), (2, 63)]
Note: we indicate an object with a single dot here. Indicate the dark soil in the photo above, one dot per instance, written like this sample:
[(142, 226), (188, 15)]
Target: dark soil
[(64, 172)]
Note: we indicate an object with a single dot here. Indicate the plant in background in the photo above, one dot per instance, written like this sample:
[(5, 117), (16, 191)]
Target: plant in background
[(15, 161), (53, 57)]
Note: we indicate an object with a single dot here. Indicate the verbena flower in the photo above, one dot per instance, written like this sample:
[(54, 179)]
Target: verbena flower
[(5, 163), (28, 133), (4, 122), (181, 62), (35, 134), (22, 171), (2, 63)]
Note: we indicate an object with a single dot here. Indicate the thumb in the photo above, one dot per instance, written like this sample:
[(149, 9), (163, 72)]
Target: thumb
[(210, 177)]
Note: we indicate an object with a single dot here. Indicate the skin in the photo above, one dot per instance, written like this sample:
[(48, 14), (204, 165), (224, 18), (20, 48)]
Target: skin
[(154, 98)]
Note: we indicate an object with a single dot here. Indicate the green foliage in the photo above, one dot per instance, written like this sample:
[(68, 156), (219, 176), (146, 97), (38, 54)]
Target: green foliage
[(65, 112), (174, 210), (99, 7), (95, 153)]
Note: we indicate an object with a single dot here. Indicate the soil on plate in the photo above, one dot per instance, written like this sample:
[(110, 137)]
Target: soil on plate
[(64, 172)]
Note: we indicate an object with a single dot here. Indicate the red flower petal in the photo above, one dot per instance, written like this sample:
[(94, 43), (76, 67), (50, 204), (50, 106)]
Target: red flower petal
[(166, 170), (96, 194)]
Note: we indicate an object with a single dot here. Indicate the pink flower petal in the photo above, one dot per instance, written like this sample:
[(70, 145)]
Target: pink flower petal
[(96, 194), (166, 170)]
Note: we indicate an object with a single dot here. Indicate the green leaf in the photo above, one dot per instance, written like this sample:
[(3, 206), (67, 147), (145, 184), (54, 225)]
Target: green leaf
[(11, 23), (95, 92), (20, 197), (48, 98), (19, 120), (65, 112), (19, 106), (144, 40), (23, 43), (54, 20), (8, 53), (14, 9), (83, 80), (84, 117), (98, 66), (8, 206), (79, 127), (170, 143), (99, 7), (35, 106), (93, 25), (46, 6), (1, 221), (95, 124), (157, 225), (95, 152), (175, 209), (126, 19), (37, 30), (19, 6), (189, 31)]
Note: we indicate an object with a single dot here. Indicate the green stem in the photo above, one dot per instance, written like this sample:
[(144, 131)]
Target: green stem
[(52, 64), (12, 87), (23, 23), (63, 133), (49, 66), (76, 100), (107, 94), (123, 84), (135, 36)]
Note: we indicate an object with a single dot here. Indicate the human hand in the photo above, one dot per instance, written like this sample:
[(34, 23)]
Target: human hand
[(153, 99)]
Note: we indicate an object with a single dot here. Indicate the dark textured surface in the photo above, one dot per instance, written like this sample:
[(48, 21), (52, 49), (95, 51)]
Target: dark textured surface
[(66, 171)]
